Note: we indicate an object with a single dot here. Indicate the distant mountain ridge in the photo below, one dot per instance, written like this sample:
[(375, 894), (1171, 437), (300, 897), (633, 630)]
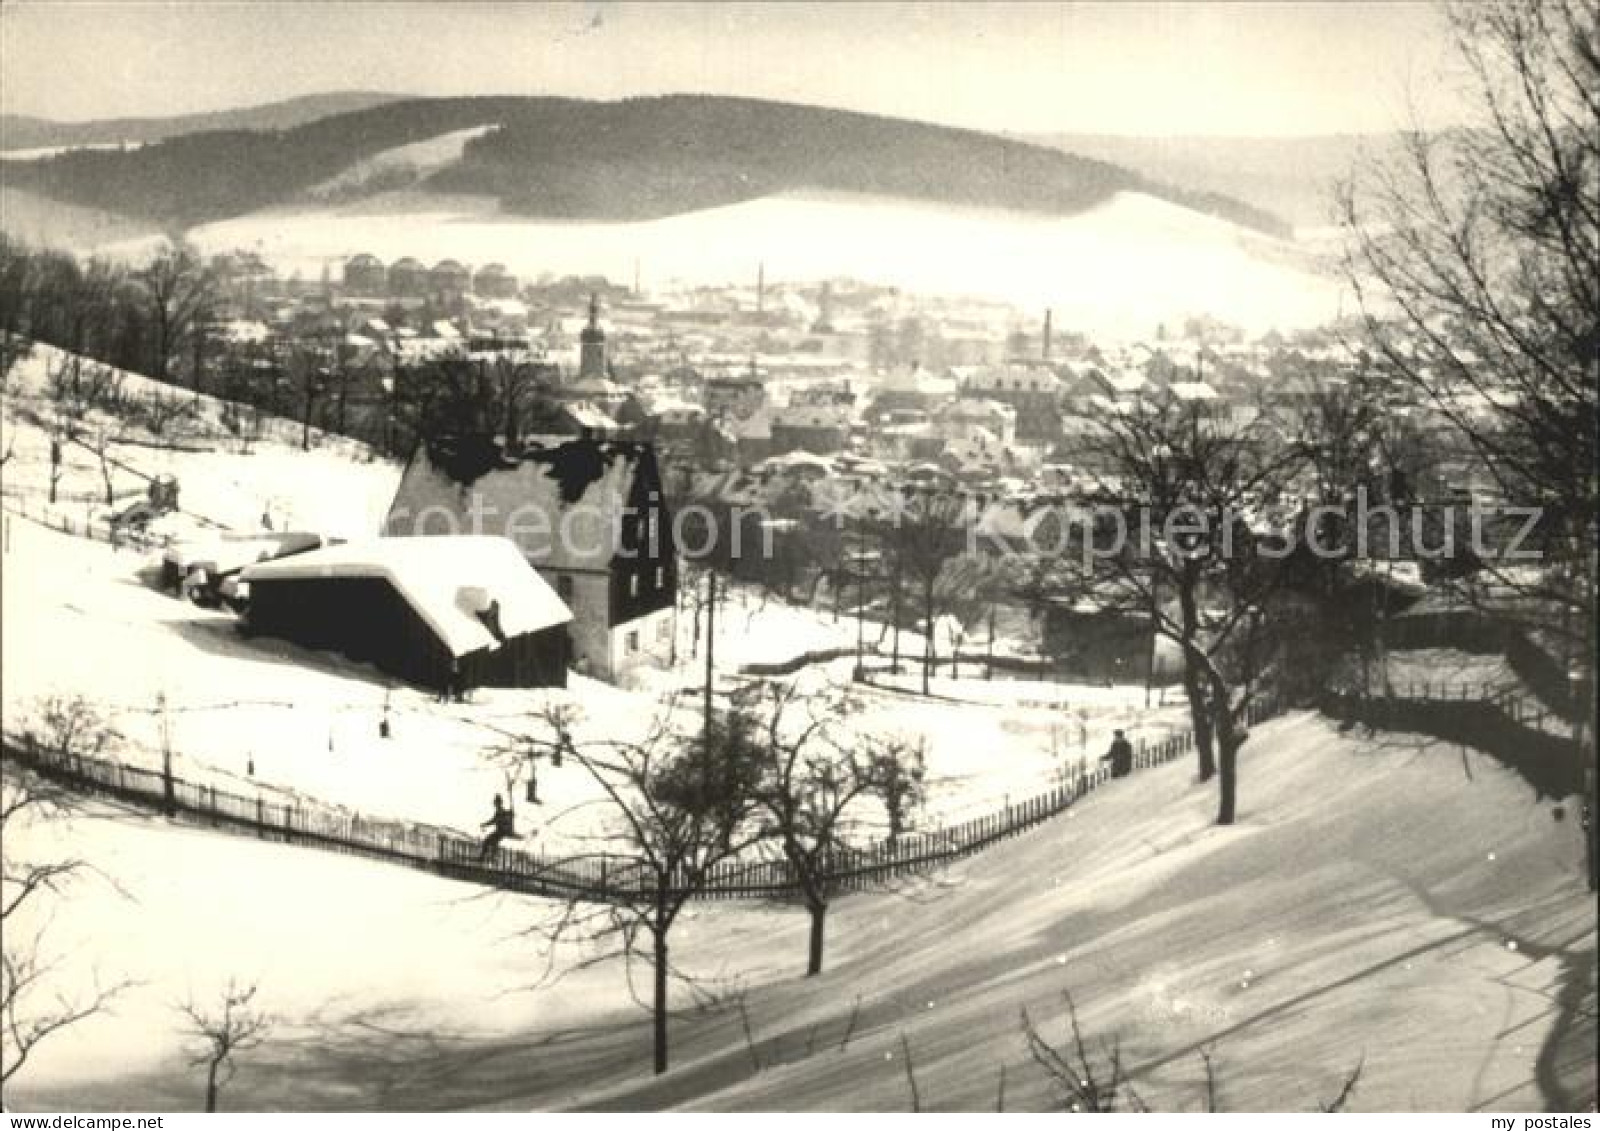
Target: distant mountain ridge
[(1291, 177), (634, 159), (20, 131)]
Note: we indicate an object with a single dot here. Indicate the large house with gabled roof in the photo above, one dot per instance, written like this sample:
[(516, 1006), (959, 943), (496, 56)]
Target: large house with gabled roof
[(588, 513)]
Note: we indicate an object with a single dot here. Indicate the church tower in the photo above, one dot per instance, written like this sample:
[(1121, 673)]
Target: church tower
[(592, 351)]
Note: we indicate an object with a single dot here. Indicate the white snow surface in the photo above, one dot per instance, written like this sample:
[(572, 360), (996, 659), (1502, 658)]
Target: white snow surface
[(448, 580), (1118, 268), (1394, 903)]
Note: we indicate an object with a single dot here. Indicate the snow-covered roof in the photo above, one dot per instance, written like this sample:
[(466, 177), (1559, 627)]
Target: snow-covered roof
[(448, 579), (794, 460), (227, 553), (586, 415), (1192, 391), (529, 494), (242, 330)]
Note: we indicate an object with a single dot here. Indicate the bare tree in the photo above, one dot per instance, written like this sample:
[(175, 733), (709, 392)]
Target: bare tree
[(177, 287), (220, 1032), (32, 1010), (680, 806), (1089, 1079), (815, 780), (1091, 1076), (1476, 256), (308, 372), (455, 395), (921, 532), (100, 443), (1183, 487), (76, 386)]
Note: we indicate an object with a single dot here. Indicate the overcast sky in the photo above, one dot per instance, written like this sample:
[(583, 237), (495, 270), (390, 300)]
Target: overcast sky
[(1154, 69)]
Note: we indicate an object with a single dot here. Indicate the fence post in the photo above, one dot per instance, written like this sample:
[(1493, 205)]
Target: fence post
[(169, 793)]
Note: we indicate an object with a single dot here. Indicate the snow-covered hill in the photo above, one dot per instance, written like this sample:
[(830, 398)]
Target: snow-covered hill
[(404, 164), (1385, 902), (1119, 268)]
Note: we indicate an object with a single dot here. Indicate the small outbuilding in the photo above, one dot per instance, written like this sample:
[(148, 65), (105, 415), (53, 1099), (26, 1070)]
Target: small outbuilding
[(448, 613)]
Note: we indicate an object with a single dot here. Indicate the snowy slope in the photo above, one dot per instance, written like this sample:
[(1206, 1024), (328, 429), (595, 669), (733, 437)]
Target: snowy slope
[(1118, 268), (1403, 903), (339, 487), (409, 162), (80, 620)]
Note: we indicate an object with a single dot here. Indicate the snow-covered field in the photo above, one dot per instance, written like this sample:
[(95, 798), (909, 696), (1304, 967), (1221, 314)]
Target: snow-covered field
[(38, 152), (415, 160), (265, 715), (1393, 903), (1116, 269)]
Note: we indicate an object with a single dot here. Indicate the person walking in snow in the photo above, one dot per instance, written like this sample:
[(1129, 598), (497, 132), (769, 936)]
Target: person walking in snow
[(502, 826), (1120, 755)]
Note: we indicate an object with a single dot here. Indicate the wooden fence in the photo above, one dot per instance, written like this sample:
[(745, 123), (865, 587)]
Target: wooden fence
[(1468, 629), (61, 519), (1517, 730), (594, 877)]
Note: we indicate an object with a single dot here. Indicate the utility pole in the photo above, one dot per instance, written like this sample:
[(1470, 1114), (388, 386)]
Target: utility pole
[(861, 603), (988, 670), (169, 795), (711, 626)]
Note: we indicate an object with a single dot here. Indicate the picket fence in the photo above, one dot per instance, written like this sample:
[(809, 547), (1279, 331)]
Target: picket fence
[(95, 528), (592, 877), (1517, 730)]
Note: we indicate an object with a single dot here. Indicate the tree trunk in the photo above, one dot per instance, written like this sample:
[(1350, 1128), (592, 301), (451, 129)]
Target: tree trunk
[(1230, 736), (163, 344), (211, 1086), (1200, 719), (660, 1008), (819, 914), (927, 638), (894, 663), (1194, 678), (1228, 776), (199, 344), (711, 629)]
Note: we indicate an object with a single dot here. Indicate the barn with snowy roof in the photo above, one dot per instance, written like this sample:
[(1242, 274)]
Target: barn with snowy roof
[(588, 513), (458, 612)]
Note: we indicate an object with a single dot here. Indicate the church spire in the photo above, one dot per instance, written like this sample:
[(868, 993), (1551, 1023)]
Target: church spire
[(592, 344)]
